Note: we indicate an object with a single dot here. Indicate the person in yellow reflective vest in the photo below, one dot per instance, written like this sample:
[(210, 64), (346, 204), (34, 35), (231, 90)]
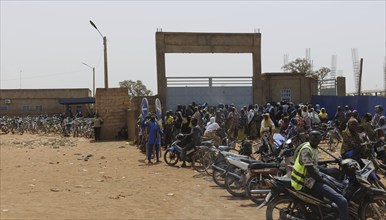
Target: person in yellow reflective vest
[(306, 174)]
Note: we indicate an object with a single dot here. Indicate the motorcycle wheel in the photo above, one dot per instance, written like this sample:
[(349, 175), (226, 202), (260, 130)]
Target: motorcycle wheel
[(235, 186), (254, 183), (219, 175), (282, 206), (376, 183), (197, 161), (376, 209), (171, 158), (209, 159)]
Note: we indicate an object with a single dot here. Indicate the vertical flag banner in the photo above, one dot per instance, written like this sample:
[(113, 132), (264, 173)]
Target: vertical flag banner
[(158, 108), (144, 108)]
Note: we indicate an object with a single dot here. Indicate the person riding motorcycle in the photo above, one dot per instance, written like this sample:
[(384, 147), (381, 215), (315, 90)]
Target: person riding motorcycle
[(193, 140), (306, 176)]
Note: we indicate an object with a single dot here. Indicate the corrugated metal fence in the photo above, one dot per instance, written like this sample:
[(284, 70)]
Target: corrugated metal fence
[(362, 104)]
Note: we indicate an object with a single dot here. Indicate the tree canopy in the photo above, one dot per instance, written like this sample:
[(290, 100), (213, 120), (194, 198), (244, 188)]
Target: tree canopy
[(298, 66), (301, 65), (321, 74), (135, 88)]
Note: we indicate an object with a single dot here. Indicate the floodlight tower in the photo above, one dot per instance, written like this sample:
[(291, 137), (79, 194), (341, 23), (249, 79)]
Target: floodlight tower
[(308, 57), (285, 59), (355, 62), (333, 66)]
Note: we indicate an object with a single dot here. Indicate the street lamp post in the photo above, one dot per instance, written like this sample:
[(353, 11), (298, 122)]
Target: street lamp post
[(93, 78), (105, 54)]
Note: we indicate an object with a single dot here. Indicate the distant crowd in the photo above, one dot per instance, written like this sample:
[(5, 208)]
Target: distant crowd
[(247, 120)]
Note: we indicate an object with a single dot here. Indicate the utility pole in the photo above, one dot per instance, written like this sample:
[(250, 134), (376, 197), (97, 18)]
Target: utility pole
[(360, 76), (93, 78)]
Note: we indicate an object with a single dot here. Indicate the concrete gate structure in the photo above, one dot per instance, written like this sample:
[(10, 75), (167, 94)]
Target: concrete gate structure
[(188, 42)]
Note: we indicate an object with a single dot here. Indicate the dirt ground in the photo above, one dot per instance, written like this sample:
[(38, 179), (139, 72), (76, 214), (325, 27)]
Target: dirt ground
[(49, 177)]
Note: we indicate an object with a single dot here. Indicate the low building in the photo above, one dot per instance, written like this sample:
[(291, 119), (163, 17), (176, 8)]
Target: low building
[(292, 87), (23, 102)]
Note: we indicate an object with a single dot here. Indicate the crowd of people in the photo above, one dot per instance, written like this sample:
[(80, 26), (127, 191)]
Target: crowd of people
[(253, 120)]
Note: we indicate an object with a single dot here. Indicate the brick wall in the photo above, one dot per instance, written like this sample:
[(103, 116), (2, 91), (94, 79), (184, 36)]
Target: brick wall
[(112, 105)]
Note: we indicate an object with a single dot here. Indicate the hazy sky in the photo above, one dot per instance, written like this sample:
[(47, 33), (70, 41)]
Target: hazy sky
[(45, 42)]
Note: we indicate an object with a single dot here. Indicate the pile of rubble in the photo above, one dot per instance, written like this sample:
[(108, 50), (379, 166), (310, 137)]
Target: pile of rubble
[(52, 142)]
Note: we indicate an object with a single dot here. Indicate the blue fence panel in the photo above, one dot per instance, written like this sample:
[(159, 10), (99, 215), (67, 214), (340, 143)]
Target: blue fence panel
[(362, 104)]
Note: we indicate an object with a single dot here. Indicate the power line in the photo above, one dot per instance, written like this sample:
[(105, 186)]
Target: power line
[(45, 75)]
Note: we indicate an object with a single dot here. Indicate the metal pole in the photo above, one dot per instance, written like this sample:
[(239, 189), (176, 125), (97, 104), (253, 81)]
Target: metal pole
[(20, 79), (93, 82), (105, 54), (105, 62), (93, 78), (360, 77)]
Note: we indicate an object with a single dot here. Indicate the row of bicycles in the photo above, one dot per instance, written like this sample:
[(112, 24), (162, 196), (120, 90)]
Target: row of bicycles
[(76, 127)]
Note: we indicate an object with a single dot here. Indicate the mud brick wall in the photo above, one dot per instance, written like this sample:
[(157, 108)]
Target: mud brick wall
[(112, 105)]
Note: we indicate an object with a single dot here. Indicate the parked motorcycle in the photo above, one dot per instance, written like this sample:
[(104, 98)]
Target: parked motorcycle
[(173, 154), (248, 176), (221, 167), (256, 187), (365, 202)]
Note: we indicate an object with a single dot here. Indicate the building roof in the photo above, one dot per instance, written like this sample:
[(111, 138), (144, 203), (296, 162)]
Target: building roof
[(70, 101)]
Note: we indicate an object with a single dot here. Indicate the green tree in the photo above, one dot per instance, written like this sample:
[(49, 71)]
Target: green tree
[(298, 66), (136, 88), (320, 75), (303, 66)]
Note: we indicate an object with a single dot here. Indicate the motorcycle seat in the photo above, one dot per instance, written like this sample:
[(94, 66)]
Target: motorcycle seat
[(263, 165), (285, 180), (250, 161), (207, 143), (223, 148)]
